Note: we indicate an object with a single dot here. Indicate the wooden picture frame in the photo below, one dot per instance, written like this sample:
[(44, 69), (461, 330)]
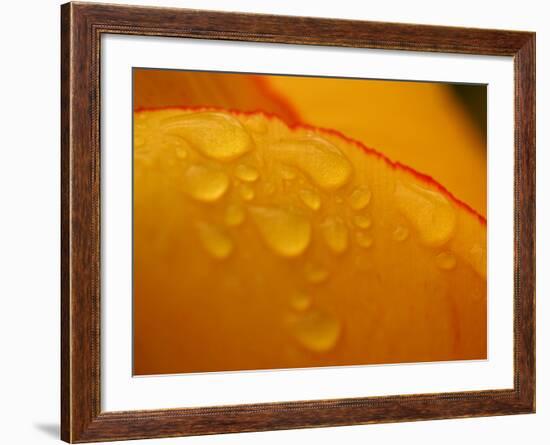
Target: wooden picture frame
[(82, 25)]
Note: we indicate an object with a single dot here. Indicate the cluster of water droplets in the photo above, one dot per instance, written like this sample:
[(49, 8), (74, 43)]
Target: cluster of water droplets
[(314, 170)]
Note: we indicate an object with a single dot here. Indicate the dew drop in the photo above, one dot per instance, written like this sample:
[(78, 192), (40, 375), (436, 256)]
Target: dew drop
[(215, 241), (362, 221), (360, 198), (364, 240), (205, 184), (315, 274), (216, 135), (317, 331), (246, 173), (247, 192), (400, 233), (234, 215), (445, 260), (310, 199), (285, 233), (429, 212), (478, 260), (300, 301), (335, 233), (320, 160)]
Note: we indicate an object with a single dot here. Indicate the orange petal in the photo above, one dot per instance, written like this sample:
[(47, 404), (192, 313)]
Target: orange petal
[(233, 280)]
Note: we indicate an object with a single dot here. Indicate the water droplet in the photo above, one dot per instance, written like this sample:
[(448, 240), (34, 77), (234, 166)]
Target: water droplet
[(300, 301), (400, 233), (364, 240), (360, 198), (246, 173), (445, 260), (322, 161), (205, 184), (315, 274), (217, 135), (362, 221), (285, 233), (234, 215), (310, 199), (247, 192), (335, 233), (478, 260), (215, 241), (429, 212), (316, 330)]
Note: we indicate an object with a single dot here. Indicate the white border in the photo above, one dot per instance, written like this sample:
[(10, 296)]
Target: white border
[(120, 391)]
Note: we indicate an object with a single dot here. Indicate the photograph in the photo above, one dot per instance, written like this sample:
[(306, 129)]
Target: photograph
[(275, 223), (291, 221)]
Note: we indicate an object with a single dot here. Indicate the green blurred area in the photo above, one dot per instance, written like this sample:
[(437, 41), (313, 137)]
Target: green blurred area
[(474, 99)]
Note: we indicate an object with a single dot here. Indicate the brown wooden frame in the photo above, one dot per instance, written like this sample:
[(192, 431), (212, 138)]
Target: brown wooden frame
[(82, 25)]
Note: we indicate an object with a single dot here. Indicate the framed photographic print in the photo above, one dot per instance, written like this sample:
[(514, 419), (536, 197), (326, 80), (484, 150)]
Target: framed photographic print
[(275, 222)]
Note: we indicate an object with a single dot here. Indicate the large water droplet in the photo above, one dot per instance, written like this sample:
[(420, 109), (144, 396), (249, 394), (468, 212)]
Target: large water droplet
[(205, 184), (285, 233), (316, 330), (335, 233), (246, 173), (234, 215), (323, 162), (360, 198), (216, 242), (217, 135), (429, 212), (310, 199), (445, 260)]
